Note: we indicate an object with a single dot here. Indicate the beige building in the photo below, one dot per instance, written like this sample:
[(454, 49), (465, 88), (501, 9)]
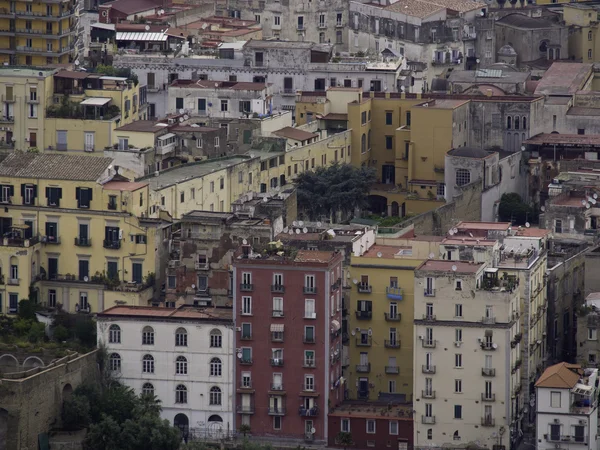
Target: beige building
[(466, 338)]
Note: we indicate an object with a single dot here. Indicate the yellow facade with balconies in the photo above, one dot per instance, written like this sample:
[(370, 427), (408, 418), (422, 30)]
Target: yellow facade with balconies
[(72, 236), (37, 33)]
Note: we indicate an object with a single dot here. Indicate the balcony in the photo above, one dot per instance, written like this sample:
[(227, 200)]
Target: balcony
[(389, 317), (13, 281), (309, 363), (363, 368), (277, 362), (308, 412), (564, 438), (393, 370), (277, 313), (391, 343), (428, 420), (309, 289), (277, 387), (364, 315), (308, 387), (362, 342), (83, 242), (394, 293), (488, 422), (201, 265), (429, 292), (364, 288), (278, 288), (112, 206), (309, 339), (300, 27), (488, 320), (17, 241), (246, 361), (491, 346), (288, 92), (487, 397), (428, 368), (487, 372), (322, 25), (245, 385), (114, 245), (429, 317), (54, 240), (428, 394), (276, 410), (245, 409), (245, 287), (428, 343), (246, 337)]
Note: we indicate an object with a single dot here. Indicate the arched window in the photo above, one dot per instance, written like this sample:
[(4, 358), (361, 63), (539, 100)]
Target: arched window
[(363, 143), (524, 122), (543, 47), (181, 365), (456, 436), (148, 389), (148, 364), (180, 394), (557, 53), (148, 336), (517, 122), (216, 367), (429, 433), (216, 339), (181, 337), (590, 36), (550, 53), (215, 395), (369, 141), (114, 334), (463, 176), (215, 418), (114, 362), (508, 123)]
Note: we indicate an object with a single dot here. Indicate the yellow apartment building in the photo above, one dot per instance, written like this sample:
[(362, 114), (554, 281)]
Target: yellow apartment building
[(38, 33), (584, 35), (380, 321), (75, 233)]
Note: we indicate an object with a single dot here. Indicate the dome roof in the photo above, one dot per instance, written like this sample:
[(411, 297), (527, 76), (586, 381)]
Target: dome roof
[(507, 50)]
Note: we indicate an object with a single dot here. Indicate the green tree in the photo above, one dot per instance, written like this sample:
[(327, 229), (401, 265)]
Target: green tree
[(76, 412), (513, 209), (60, 333), (36, 332), (345, 439), (27, 309), (120, 402), (85, 331), (104, 435), (149, 404), (328, 190)]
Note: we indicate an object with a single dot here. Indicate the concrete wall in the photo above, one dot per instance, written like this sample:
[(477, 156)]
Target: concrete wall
[(512, 178), (33, 403)]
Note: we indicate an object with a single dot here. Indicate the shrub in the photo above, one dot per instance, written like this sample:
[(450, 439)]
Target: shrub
[(36, 333), (76, 412), (60, 333)]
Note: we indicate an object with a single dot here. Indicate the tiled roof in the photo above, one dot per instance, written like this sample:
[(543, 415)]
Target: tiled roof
[(313, 256), (564, 78), (522, 21), (133, 6), (54, 167), (425, 8), (562, 375), (295, 134)]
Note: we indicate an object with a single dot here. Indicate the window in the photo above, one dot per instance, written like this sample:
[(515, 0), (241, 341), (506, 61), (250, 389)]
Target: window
[(224, 105), (590, 53), (246, 331), (345, 426), (309, 309), (555, 432), (148, 364), (458, 386), (114, 332), (181, 337), (221, 183), (458, 360), (389, 142), (136, 276), (309, 358), (114, 362), (179, 103), (370, 426), (589, 35), (458, 310), (458, 411), (429, 433), (53, 194), (181, 365), (216, 339), (215, 396), (580, 131), (408, 117), (217, 142), (148, 336), (51, 302), (180, 394), (148, 389), (557, 226), (277, 20), (458, 335), (555, 399), (592, 334), (393, 427), (309, 334), (216, 367), (277, 423), (463, 176), (247, 306)]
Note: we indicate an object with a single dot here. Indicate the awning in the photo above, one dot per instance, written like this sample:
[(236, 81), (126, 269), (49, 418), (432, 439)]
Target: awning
[(335, 325), (20, 226), (166, 136), (140, 36), (96, 101), (107, 78), (276, 328), (491, 270)]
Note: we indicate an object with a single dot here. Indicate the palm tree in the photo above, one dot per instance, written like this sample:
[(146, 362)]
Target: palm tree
[(345, 439)]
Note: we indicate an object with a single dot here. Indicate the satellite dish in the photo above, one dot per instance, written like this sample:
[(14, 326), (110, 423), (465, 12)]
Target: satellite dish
[(291, 231), (305, 230), (583, 202), (297, 230), (370, 332), (542, 208), (180, 119), (379, 254), (595, 195), (239, 355), (186, 117), (451, 232), (594, 201), (300, 223), (527, 224), (147, 28), (313, 431), (455, 230), (587, 206), (86, 279), (494, 345), (454, 268), (161, 12), (470, 234), (402, 88), (353, 333), (319, 224), (431, 256), (181, 111), (265, 199), (244, 241), (295, 223), (355, 281), (285, 230)]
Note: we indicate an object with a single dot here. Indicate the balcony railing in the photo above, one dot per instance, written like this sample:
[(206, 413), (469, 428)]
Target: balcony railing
[(277, 362), (428, 343), (114, 245), (307, 387), (428, 368), (245, 287), (487, 397), (428, 393), (364, 315), (201, 265), (491, 346), (245, 384), (246, 361), (429, 317), (361, 342), (112, 206), (13, 281), (392, 369), (392, 343), (392, 317), (51, 240), (487, 372), (429, 292), (277, 386), (564, 438), (83, 242), (277, 313), (309, 289), (488, 422), (276, 410), (488, 320), (19, 241), (279, 288), (394, 293), (309, 339), (364, 288), (308, 412), (428, 420), (363, 368), (245, 409)]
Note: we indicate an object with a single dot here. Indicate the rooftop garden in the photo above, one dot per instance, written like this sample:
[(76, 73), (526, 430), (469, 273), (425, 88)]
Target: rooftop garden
[(68, 109)]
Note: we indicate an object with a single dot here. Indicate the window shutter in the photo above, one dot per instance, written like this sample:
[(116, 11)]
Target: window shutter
[(12, 190), (22, 190), (35, 191), (78, 196), (59, 192), (47, 228), (89, 193), (48, 193)]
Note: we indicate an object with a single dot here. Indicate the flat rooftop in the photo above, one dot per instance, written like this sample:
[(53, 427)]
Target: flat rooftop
[(214, 84), (442, 104), (531, 232), (438, 265), (373, 410), (186, 172), (183, 312), (125, 186), (564, 139), (385, 251), (469, 241), (25, 71), (496, 226)]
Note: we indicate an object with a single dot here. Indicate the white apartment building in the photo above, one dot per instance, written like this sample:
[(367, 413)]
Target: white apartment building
[(567, 408), (182, 355), (466, 355)]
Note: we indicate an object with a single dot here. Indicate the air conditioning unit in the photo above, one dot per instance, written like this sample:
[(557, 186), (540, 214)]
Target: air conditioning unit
[(238, 328)]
